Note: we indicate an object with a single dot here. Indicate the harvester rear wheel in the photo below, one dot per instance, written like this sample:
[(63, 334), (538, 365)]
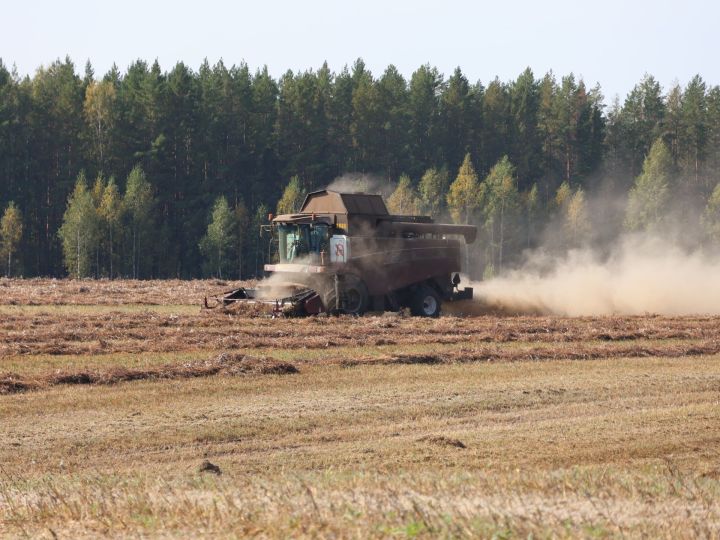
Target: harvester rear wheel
[(426, 302)]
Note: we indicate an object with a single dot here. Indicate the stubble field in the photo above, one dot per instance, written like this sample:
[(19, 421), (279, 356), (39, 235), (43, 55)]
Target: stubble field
[(114, 396)]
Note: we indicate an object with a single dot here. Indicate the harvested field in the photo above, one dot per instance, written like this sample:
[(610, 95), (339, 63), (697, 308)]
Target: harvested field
[(127, 411), (103, 292)]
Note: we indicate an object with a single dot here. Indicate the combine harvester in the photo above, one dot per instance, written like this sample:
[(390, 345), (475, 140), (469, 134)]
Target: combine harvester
[(345, 253)]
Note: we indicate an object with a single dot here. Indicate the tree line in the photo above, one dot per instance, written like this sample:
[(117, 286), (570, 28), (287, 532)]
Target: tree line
[(152, 173)]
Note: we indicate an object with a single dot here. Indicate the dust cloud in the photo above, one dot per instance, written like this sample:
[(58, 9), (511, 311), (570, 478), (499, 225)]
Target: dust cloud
[(640, 275), (360, 182)]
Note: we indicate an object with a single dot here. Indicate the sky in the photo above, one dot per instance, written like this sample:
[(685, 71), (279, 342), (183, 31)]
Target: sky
[(610, 42)]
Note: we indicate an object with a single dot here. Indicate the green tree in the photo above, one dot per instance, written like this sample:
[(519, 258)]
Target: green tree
[(456, 104), (576, 223), (220, 235), (242, 220), (562, 195), (548, 126), (97, 194), (693, 128), (55, 126), (711, 216), (640, 122), (465, 194), (501, 204), (292, 197), (673, 122), (366, 126), (426, 84), (80, 230), (11, 230), (524, 107), (496, 122), (712, 146), (649, 197), (138, 203), (99, 101), (433, 190), (531, 209), (111, 211), (404, 199), (259, 219), (394, 149)]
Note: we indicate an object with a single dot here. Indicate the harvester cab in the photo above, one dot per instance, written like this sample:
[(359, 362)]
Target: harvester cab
[(345, 253)]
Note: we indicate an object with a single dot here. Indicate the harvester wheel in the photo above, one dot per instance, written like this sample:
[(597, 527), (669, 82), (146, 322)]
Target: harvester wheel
[(354, 296), (426, 302)]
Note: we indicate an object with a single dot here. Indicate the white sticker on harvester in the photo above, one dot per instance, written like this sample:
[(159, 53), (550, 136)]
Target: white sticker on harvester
[(339, 249)]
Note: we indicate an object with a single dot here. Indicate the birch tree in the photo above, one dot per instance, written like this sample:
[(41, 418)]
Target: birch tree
[(220, 235), (11, 230), (80, 230)]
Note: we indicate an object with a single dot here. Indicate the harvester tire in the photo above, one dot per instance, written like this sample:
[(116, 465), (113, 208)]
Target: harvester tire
[(425, 302), (353, 295)]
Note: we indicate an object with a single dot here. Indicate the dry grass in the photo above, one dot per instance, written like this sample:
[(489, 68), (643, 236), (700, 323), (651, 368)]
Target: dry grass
[(393, 427), (224, 364), (84, 331), (91, 292)]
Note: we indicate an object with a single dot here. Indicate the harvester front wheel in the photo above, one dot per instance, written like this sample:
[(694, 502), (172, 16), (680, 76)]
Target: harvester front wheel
[(426, 302), (354, 296)]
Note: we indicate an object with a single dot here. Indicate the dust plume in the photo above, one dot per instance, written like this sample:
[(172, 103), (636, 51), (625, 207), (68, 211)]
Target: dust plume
[(641, 274), (277, 285), (360, 182)]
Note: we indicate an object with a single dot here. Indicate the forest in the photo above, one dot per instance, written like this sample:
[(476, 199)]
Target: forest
[(159, 174)]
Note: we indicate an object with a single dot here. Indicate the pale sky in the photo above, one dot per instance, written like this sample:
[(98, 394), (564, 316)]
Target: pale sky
[(612, 42)]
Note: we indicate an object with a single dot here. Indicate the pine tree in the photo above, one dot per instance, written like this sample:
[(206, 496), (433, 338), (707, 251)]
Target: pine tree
[(220, 235), (426, 84), (456, 117), (404, 200), (465, 195), (712, 146), (524, 105), (80, 230), (640, 122), (711, 216), (242, 220), (366, 126), (531, 207), (693, 129), (649, 197), (292, 197), (672, 123), (11, 230), (394, 149), (259, 219)]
